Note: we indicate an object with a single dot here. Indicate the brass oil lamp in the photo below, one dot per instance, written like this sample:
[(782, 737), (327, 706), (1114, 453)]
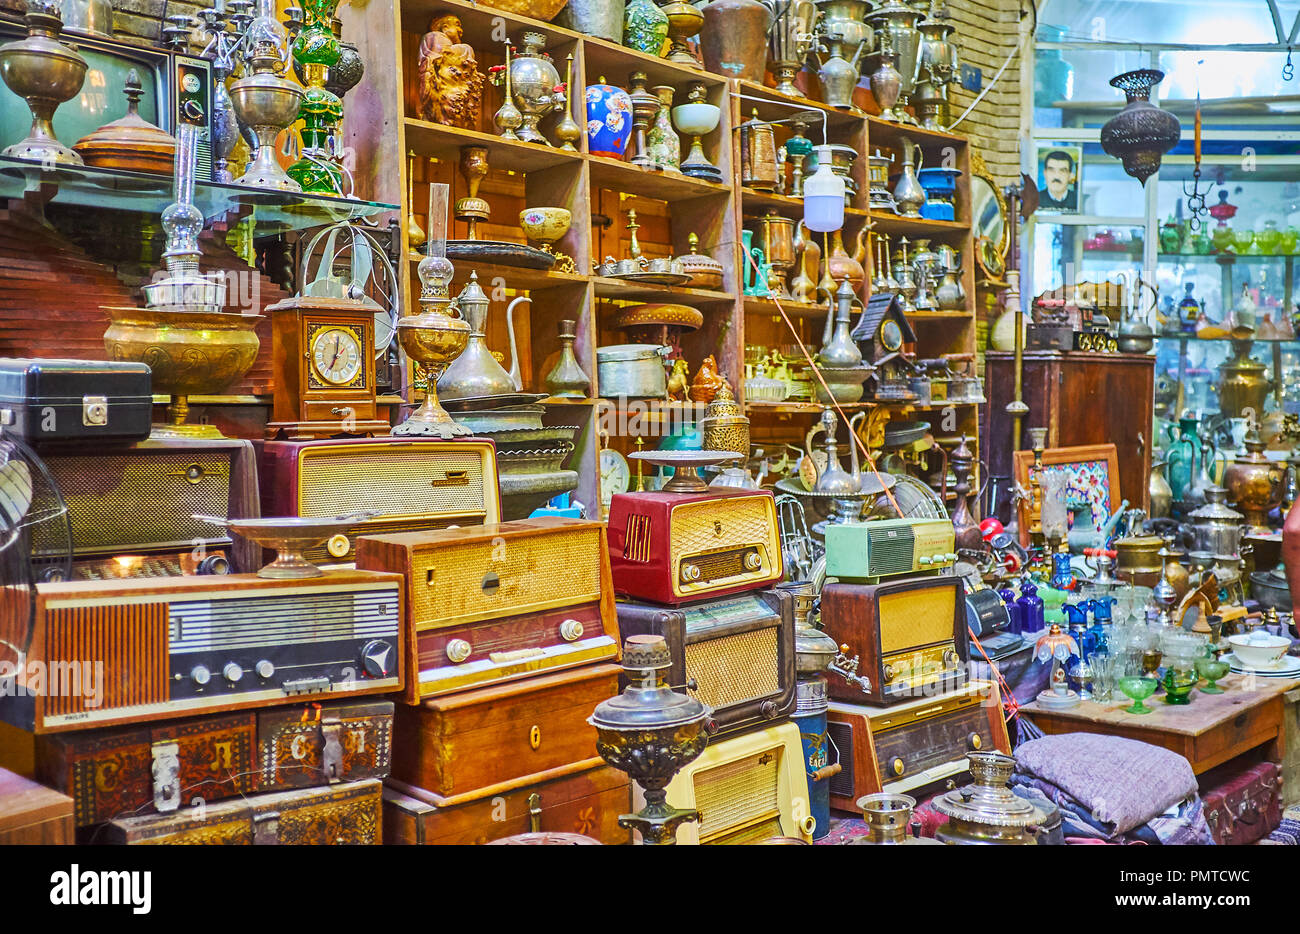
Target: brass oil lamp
[(45, 73), (264, 100), (650, 732)]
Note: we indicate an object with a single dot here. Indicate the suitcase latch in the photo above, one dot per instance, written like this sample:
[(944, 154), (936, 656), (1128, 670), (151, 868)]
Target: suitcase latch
[(266, 829), (166, 776), (94, 411), (535, 813), (332, 754)]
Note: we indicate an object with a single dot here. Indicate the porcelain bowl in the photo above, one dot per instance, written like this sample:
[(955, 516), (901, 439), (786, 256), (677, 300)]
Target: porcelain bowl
[(545, 225), (1259, 649)]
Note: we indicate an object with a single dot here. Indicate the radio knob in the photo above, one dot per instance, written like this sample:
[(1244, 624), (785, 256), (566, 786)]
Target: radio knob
[(974, 741), (571, 630), (264, 669), (232, 672), (214, 564), (338, 546), (690, 573), (951, 556), (458, 650), (377, 658), (949, 657), (200, 675), (768, 709), (753, 561), (888, 672), (925, 561), (897, 766)]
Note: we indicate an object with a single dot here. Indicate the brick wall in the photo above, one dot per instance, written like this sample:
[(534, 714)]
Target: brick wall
[(987, 31)]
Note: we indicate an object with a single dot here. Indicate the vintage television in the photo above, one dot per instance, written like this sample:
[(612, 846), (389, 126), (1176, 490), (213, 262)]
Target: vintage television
[(170, 81)]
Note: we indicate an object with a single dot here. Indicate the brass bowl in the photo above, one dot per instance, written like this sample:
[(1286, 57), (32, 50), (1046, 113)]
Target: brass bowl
[(545, 225), (433, 339)]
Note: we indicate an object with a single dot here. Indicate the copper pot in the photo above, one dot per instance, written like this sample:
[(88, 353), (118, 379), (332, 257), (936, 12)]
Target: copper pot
[(734, 38), (1138, 559), (1254, 483)]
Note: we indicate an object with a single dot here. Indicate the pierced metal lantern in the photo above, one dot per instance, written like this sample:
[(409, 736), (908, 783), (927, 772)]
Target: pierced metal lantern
[(1140, 133), (650, 732)]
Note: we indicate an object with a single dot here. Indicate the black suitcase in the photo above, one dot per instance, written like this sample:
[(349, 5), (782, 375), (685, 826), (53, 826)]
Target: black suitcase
[(45, 401)]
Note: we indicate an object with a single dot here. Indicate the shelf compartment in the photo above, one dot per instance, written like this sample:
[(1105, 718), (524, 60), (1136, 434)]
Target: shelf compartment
[(609, 289), (516, 277), (626, 177), (443, 142)]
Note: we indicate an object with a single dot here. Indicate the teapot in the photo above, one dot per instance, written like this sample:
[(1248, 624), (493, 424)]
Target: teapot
[(834, 479), (476, 372), (838, 75), (908, 193), (1085, 535)]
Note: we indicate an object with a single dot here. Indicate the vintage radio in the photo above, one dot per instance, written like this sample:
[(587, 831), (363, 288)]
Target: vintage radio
[(33, 814), (913, 745), (747, 788), (75, 401), (909, 633), (675, 548), (738, 652), (131, 651), (499, 602), (588, 803), (409, 483), (349, 814), (869, 551), (132, 509), (125, 771), (482, 742)]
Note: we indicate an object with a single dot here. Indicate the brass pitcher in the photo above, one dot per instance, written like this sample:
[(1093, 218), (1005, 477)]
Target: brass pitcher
[(909, 196)]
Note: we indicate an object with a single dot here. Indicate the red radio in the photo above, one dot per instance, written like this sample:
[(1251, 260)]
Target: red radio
[(689, 542)]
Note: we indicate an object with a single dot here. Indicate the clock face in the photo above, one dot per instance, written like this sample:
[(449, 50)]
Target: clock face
[(891, 335), (336, 355), (615, 475)]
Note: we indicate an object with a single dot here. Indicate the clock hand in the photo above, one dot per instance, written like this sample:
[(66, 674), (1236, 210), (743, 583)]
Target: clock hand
[(338, 350)]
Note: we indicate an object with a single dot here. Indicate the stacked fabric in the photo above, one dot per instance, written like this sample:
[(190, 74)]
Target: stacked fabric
[(1113, 790)]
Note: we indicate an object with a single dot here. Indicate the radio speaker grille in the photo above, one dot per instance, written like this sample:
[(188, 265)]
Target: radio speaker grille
[(407, 480), (841, 739), (891, 550), (535, 571), (739, 794), (749, 520), (104, 496), (125, 639), (737, 668), (913, 618), (721, 564)]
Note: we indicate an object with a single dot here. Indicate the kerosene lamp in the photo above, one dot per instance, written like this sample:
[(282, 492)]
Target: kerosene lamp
[(650, 732), (45, 73), (265, 101)]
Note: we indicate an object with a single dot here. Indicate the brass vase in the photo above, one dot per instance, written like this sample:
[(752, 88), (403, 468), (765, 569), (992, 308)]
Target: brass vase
[(1254, 482), (789, 40), (684, 21), (433, 339), (567, 380), (1243, 387), (44, 73)]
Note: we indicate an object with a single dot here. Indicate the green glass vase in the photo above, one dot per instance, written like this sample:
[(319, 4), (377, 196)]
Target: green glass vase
[(315, 49)]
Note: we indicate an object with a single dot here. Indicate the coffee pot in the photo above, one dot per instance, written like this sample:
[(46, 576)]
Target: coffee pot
[(909, 196), (476, 372), (834, 479)]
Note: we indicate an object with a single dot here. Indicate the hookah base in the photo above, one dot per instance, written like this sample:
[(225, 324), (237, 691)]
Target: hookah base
[(1050, 700), (45, 151), (659, 828), (269, 181)]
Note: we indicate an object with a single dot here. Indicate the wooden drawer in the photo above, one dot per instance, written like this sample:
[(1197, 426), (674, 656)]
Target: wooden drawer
[(31, 813), (480, 743), (589, 803)]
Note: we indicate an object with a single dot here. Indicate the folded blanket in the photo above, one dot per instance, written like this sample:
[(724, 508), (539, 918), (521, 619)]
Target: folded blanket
[(1183, 824), (1120, 783)]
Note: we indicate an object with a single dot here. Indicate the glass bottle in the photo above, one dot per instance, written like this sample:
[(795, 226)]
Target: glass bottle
[(1031, 606), (1189, 309)]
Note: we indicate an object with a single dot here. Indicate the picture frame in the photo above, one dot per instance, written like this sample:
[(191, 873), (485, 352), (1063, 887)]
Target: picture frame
[(1093, 468), (1060, 178)]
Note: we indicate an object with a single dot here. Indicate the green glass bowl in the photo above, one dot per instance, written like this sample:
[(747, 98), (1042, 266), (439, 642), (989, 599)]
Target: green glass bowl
[(1137, 688), (1178, 684), (1211, 669)]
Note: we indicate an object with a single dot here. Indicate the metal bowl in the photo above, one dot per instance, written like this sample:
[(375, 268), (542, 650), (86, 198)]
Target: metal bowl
[(290, 536)]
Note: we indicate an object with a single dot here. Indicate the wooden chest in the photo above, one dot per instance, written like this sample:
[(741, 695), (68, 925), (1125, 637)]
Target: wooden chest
[(31, 813), (347, 814), (160, 767), (588, 803), (494, 739)]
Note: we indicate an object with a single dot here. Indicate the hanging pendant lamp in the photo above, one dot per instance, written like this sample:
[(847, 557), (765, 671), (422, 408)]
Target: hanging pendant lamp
[(1140, 133)]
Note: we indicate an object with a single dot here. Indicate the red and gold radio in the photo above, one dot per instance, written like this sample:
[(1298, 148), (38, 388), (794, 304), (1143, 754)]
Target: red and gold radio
[(910, 633), (499, 602), (410, 484), (689, 542)]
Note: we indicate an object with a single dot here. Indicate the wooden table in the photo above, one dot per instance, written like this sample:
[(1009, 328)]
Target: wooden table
[(1209, 731)]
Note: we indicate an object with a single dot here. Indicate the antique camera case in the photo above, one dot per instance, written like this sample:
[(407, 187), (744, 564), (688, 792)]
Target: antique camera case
[(53, 401)]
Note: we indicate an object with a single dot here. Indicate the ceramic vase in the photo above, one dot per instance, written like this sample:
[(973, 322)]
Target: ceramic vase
[(609, 120), (645, 27), (662, 142)]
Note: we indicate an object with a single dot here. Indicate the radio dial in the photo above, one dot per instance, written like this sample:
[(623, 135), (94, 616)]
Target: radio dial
[(949, 657), (264, 669), (458, 650), (690, 573), (571, 630), (974, 741), (232, 672), (898, 766), (377, 658), (338, 546), (753, 561), (888, 672), (200, 675), (214, 564), (768, 709)]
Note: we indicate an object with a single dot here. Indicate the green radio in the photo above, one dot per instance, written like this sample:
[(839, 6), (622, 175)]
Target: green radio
[(865, 552)]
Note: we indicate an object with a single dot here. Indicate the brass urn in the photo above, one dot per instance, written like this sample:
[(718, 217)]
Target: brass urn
[(45, 73), (433, 339), (1243, 387), (1254, 482), (724, 425)]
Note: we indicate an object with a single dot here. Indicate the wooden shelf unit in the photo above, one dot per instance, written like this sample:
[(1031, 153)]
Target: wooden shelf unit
[(382, 124)]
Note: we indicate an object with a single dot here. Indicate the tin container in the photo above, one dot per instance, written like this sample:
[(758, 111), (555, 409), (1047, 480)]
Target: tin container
[(632, 371)]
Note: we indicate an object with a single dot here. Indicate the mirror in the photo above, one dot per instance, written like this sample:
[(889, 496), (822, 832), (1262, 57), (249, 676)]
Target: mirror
[(988, 221)]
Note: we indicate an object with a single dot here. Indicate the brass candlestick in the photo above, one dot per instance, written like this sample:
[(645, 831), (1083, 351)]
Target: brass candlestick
[(633, 247), (645, 106)]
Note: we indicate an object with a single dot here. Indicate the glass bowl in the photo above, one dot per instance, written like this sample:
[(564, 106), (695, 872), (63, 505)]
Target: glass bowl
[(1137, 688)]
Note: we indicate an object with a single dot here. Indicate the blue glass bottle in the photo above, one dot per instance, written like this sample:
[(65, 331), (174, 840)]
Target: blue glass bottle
[(1031, 607), (1016, 625), (1062, 574)]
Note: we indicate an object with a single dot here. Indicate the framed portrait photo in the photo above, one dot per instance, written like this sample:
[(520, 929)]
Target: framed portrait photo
[(1059, 169)]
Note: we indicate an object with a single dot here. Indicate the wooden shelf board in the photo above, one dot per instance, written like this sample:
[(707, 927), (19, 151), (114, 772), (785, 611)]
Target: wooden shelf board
[(923, 315), (616, 62), (785, 205), (765, 306), (516, 277), (661, 186), (892, 224), (618, 290), (885, 132), (444, 142)]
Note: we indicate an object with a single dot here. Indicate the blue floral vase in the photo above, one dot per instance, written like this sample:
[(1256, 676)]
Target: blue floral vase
[(645, 27), (609, 120)]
